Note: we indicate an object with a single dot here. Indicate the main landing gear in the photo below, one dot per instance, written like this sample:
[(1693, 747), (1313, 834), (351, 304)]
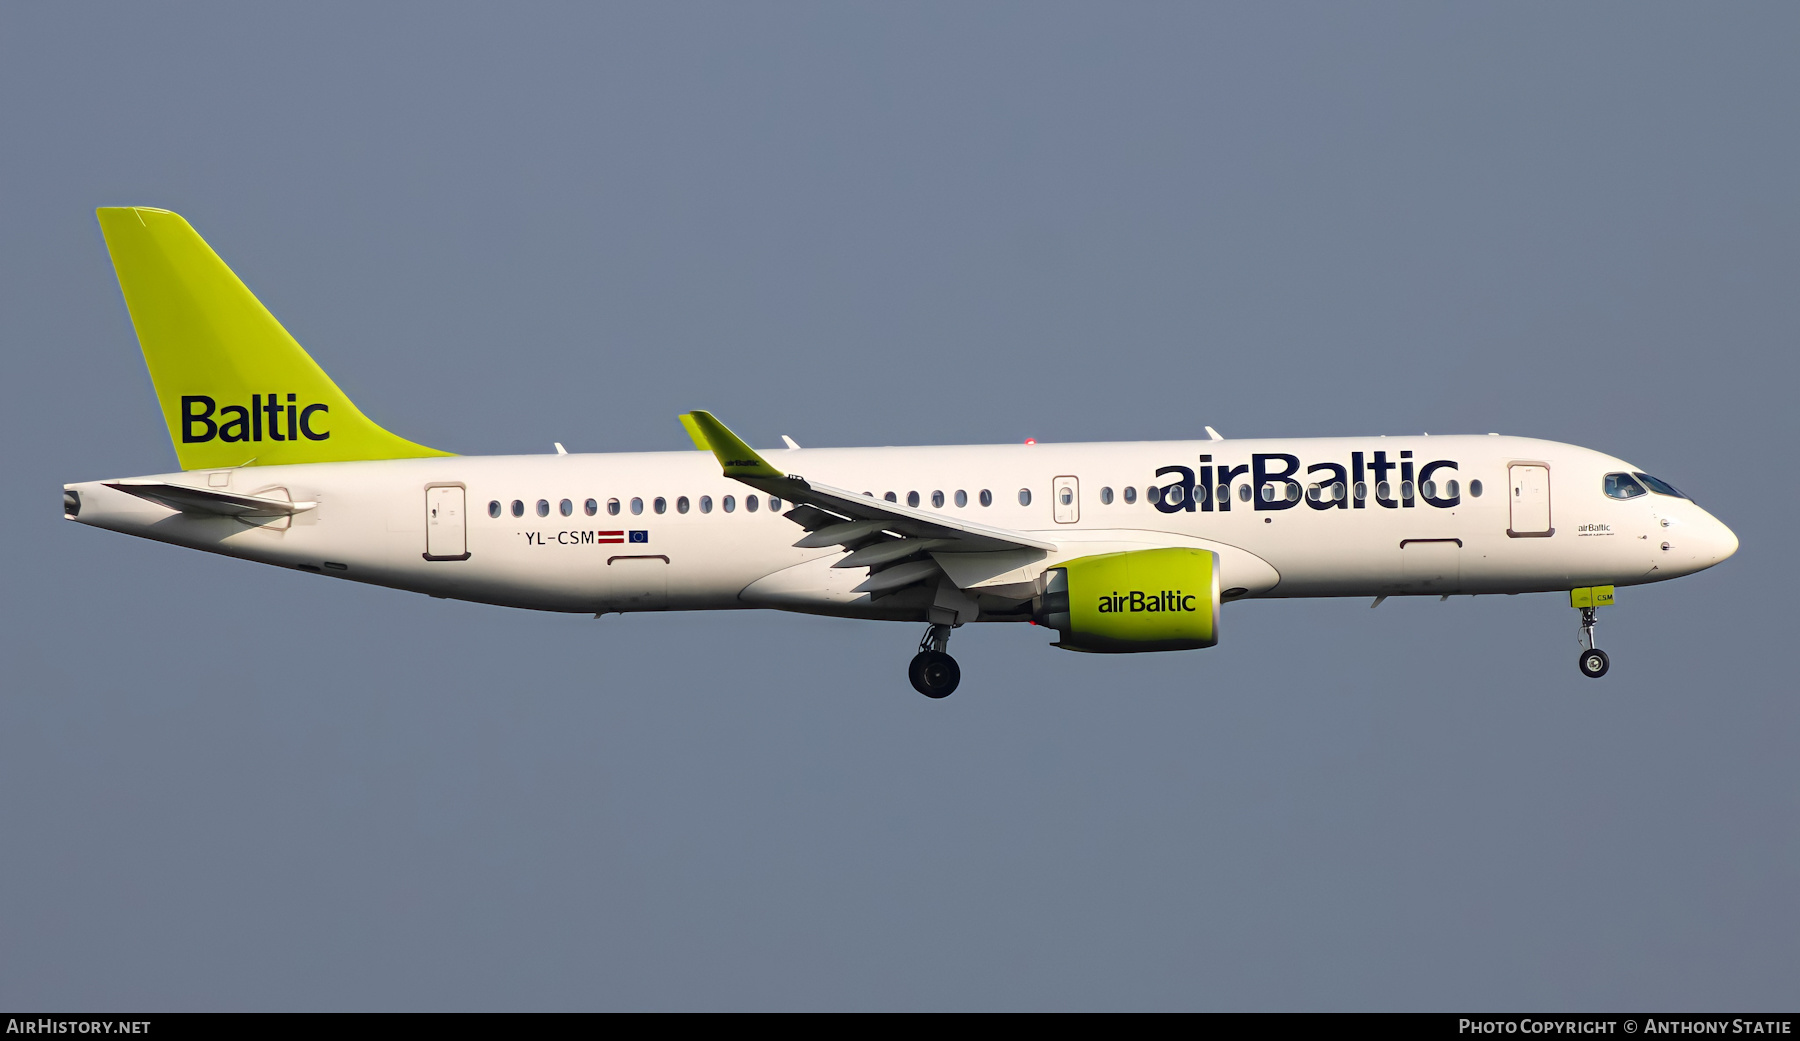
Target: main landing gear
[(1593, 661), (934, 673)]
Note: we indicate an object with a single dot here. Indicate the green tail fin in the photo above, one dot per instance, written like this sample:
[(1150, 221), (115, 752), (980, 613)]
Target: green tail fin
[(235, 388)]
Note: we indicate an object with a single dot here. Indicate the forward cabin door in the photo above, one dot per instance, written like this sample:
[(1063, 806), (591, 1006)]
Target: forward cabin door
[(446, 535), (1530, 487), (1066, 494)]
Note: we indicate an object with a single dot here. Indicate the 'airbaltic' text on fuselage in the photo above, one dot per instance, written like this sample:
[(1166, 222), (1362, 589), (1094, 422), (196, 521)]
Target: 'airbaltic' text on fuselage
[(1367, 474)]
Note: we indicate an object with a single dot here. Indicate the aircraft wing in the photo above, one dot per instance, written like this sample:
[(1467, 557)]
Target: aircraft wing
[(885, 537), (183, 499)]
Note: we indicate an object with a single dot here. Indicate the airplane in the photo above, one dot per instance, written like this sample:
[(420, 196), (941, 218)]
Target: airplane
[(1116, 547)]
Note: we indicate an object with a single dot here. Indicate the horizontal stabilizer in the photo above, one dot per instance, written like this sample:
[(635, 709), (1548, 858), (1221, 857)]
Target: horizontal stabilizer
[(210, 501)]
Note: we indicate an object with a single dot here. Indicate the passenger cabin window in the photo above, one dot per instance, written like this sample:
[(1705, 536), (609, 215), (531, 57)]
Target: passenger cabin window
[(912, 499), (962, 498), (706, 504), (987, 497), (1451, 489), (637, 506), (590, 507), (543, 507), (1106, 496), (1130, 495), (681, 504), (1243, 493), (1066, 496), (1024, 496), (1474, 490), (659, 504), (937, 500), (729, 502), (518, 508), (891, 497), (494, 508), (750, 503), (566, 508), (1153, 494), (612, 507), (774, 504), (1658, 486)]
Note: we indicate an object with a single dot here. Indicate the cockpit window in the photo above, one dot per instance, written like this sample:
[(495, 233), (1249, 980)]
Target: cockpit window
[(1622, 486), (1658, 486)]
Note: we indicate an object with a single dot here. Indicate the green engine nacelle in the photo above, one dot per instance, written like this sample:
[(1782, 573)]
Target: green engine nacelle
[(1139, 600)]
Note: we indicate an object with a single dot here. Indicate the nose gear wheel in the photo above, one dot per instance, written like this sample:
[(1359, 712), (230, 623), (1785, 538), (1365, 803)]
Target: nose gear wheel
[(1593, 661)]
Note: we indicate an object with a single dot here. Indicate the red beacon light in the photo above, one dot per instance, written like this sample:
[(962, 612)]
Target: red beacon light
[(1031, 440)]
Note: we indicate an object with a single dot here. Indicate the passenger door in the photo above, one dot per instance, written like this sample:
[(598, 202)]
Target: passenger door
[(1530, 501), (446, 534), (1065, 493)]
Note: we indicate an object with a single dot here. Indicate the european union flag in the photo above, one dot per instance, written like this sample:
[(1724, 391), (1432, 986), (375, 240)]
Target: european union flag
[(640, 536)]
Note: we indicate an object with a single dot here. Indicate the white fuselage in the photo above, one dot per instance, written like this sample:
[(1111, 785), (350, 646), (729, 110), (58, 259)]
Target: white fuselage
[(371, 524)]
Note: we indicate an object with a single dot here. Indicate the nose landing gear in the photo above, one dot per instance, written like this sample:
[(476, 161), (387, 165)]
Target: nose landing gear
[(934, 673), (1593, 660)]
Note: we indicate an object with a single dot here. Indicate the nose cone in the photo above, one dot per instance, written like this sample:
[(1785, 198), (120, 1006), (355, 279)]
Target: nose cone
[(1698, 541), (1717, 541), (1691, 540)]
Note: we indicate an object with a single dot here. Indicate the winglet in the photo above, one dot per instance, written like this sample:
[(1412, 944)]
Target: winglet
[(693, 432), (735, 457)]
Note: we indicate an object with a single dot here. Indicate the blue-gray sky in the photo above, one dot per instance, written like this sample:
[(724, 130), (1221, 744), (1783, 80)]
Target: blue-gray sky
[(228, 786)]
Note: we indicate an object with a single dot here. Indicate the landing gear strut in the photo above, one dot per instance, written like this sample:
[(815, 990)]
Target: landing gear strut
[(1593, 661), (934, 673)]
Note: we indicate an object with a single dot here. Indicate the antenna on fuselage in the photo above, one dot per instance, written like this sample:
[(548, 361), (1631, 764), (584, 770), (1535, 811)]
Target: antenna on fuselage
[(1214, 434)]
